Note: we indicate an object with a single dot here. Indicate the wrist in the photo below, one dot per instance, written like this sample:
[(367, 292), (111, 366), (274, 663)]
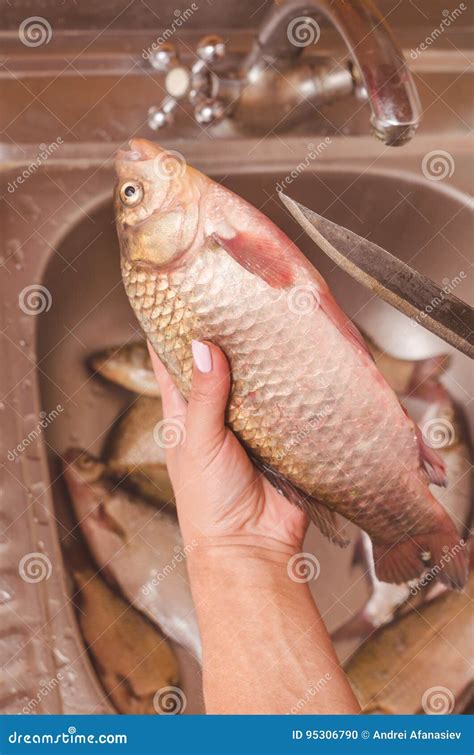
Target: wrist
[(243, 566), (236, 548)]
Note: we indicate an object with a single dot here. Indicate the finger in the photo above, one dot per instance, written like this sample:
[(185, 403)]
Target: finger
[(209, 393), (174, 404)]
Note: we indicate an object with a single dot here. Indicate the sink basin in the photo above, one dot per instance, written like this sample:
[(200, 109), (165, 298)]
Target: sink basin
[(74, 256)]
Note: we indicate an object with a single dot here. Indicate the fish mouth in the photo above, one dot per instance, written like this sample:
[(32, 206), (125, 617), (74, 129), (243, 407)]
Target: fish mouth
[(139, 150)]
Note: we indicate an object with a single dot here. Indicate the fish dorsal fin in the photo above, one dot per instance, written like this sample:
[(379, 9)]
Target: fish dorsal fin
[(343, 323), (431, 461)]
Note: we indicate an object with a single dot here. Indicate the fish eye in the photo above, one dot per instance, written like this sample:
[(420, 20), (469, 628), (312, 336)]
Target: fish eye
[(131, 193)]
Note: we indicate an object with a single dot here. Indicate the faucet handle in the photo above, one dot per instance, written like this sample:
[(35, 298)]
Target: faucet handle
[(198, 83), (158, 117), (165, 57), (211, 49), (209, 111)]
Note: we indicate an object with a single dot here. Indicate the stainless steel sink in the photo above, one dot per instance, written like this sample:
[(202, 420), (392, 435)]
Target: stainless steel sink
[(58, 233)]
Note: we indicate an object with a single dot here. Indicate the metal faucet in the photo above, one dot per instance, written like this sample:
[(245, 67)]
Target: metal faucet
[(274, 76)]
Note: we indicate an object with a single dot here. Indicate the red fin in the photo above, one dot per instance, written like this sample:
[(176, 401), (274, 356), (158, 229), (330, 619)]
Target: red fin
[(433, 464), (260, 255), (359, 555), (450, 554), (327, 521), (399, 562), (274, 258), (446, 559)]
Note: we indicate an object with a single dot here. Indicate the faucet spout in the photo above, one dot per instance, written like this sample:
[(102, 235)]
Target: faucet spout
[(377, 62)]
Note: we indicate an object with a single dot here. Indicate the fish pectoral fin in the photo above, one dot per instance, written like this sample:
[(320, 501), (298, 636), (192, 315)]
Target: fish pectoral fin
[(327, 521), (260, 255)]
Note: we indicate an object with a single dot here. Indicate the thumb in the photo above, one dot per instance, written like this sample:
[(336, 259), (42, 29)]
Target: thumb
[(208, 398)]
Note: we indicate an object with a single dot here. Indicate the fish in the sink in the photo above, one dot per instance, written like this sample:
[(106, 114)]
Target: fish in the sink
[(404, 375), (129, 366), (133, 659), (445, 427), (307, 400), (422, 662), (136, 452), (432, 407), (137, 546)]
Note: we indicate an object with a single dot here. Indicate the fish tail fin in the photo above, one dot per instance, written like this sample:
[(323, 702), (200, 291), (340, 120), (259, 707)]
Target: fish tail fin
[(443, 554), (449, 558), (398, 562)]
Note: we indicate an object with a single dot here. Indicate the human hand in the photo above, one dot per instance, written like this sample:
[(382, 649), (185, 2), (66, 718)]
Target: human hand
[(221, 497), (254, 619)]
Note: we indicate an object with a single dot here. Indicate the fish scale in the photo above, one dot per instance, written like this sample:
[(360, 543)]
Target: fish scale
[(171, 325), (306, 399)]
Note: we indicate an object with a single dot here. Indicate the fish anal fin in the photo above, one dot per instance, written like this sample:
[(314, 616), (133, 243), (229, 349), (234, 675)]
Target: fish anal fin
[(327, 521)]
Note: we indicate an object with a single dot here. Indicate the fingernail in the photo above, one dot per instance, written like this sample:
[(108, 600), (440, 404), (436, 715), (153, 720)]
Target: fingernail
[(202, 356)]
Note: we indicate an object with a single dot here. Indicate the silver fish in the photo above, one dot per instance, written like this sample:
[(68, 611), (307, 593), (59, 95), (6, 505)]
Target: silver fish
[(138, 547), (128, 366)]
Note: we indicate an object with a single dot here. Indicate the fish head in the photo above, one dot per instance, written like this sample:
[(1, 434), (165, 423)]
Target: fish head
[(99, 502), (156, 204), (80, 467)]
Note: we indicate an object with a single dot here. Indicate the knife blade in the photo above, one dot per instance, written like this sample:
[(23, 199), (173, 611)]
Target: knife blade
[(409, 291)]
